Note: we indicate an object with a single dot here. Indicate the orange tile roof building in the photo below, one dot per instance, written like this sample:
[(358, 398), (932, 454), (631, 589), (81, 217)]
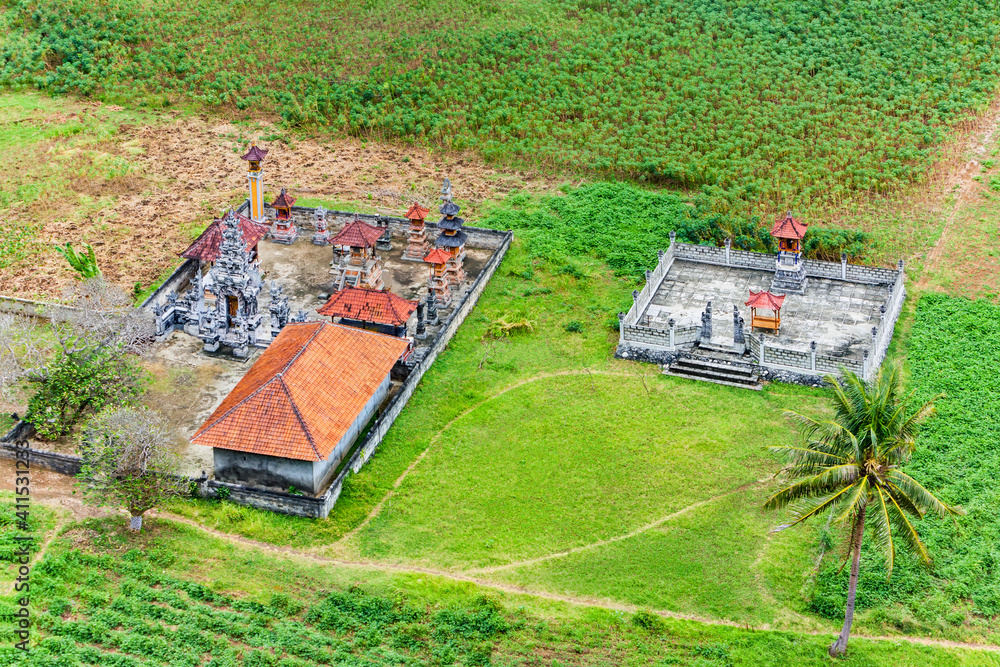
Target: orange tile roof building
[(296, 413), (377, 310)]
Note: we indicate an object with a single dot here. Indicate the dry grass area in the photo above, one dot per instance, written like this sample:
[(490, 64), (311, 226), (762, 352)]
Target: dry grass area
[(140, 186)]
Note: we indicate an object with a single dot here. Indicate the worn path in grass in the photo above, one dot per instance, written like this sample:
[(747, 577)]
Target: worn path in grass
[(378, 508), (963, 261), (519, 590), (602, 484)]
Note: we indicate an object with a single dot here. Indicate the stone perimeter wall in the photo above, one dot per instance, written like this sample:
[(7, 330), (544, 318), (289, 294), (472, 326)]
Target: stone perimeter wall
[(279, 501), (633, 338)]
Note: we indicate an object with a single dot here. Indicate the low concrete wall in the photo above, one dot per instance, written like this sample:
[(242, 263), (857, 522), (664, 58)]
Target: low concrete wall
[(21, 433), (273, 501), (305, 220), (855, 273), (176, 282), (40, 309)]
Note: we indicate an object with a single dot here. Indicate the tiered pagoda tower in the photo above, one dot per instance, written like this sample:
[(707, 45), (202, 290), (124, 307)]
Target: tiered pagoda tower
[(254, 157), (417, 246), (360, 266), (284, 230), (789, 273), (437, 283), (452, 237)]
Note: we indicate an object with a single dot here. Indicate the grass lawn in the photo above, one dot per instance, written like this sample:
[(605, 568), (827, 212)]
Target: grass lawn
[(565, 461), (174, 596)]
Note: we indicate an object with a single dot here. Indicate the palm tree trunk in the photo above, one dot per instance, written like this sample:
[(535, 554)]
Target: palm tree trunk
[(839, 647)]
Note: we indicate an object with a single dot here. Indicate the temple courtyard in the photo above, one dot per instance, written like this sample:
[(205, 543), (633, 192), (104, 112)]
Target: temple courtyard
[(836, 314), (189, 383)]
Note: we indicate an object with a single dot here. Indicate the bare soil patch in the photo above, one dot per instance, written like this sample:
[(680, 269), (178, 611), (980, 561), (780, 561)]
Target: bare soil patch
[(187, 171)]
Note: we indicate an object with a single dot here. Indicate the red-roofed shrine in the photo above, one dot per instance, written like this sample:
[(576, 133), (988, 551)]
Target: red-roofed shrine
[(360, 265), (767, 301), (284, 230), (376, 310), (416, 246)]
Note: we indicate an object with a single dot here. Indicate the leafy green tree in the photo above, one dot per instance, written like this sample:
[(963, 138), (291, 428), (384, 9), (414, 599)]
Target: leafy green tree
[(83, 263), (127, 462), (851, 466), (78, 383), (89, 362)]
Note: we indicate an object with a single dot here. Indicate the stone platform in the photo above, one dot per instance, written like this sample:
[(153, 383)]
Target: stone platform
[(838, 315)]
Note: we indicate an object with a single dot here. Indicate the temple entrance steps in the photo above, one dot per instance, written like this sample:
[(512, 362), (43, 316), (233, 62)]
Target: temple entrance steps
[(715, 365)]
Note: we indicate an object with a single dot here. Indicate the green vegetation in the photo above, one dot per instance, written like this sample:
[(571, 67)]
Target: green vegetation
[(79, 383), (845, 99), (952, 350), (572, 461), (173, 596), (623, 225), (84, 263), (849, 469)]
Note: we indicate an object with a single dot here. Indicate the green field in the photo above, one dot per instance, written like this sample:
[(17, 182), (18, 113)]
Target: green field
[(952, 351), (176, 597), (570, 462), (847, 99)]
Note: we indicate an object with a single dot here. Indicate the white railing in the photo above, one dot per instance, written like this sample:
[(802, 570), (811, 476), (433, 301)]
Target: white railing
[(642, 298)]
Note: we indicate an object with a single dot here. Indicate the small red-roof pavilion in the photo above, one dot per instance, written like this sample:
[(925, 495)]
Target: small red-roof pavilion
[(437, 256), (207, 246), (767, 301), (295, 414), (358, 234), (789, 233), (789, 228), (416, 212), (369, 306), (284, 200)]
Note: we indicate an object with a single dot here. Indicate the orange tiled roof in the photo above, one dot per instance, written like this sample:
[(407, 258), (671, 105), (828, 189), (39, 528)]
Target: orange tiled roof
[(303, 394), (206, 247), (369, 305), (437, 256), (789, 228), (765, 299), (357, 234), (417, 212)]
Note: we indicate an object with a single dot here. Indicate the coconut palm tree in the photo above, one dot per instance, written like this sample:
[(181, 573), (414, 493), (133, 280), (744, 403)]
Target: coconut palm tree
[(851, 466)]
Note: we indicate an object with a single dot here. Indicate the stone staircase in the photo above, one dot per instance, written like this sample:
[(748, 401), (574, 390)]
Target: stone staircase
[(718, 365)]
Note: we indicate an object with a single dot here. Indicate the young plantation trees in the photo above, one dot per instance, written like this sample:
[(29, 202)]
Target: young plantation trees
[(850, 465), (127, 461)]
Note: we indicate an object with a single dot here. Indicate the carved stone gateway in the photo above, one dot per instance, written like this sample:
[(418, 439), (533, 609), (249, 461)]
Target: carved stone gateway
[(235, 282)]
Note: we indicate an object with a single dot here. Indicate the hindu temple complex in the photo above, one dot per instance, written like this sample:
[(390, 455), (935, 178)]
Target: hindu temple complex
[(808, 318), (301, 391)]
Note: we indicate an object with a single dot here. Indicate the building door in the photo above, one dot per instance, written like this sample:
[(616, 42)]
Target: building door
[(232, 304)]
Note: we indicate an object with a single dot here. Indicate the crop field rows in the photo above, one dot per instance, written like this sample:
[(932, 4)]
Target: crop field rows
[(844, 101), (106, 600), (104, 611)]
